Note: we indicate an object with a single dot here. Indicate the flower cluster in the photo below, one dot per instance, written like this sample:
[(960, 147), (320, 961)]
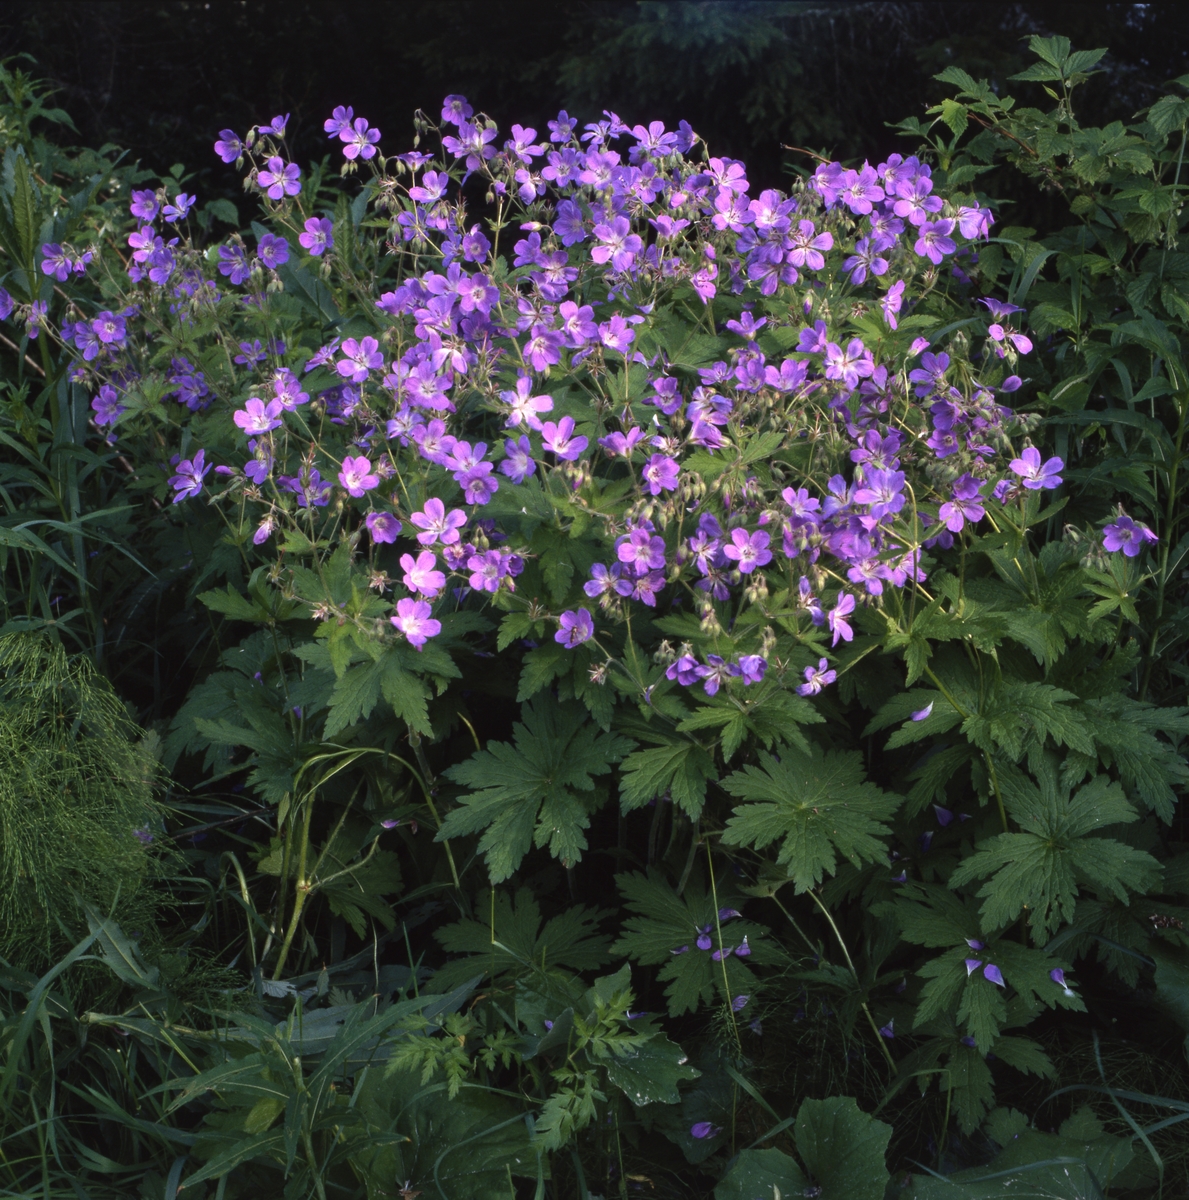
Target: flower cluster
[(551, 373)]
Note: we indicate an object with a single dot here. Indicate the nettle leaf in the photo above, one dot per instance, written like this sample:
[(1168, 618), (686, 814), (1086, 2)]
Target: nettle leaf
[(817, 805), (1059, 851), (506, 935), (665, 934), (537, 791)]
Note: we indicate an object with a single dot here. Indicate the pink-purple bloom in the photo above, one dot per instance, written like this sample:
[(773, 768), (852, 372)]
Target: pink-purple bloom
[(280, 179), (817, 678), (1126, 535), (1033, 473), (413, 619), (356, 475), (318, 236), (576, 628), (188, 480)]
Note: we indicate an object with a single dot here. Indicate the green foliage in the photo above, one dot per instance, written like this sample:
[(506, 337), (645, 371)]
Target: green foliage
[(535, 791), (1043, 867), (817, 805), (515, 939), (664, 933), (841, 1150), (78, 783)]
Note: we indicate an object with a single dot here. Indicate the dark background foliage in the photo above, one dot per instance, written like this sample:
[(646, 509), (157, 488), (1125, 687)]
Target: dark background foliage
[(162, 79)]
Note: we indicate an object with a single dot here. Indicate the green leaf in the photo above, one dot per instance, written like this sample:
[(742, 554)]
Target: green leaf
[(310, 290), (667, 922), (681, 768), (537, 791), (1058, 853), (650, 1072), (1075, 1164), (817, 805), (761, 1175), (234, 606), (506, 936), (842, 1148)]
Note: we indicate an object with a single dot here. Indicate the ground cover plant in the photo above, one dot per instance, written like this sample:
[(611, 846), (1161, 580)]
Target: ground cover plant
[(652, 684)]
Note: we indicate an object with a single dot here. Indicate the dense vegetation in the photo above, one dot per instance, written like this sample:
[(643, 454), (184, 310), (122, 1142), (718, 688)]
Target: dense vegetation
[(534, 666)]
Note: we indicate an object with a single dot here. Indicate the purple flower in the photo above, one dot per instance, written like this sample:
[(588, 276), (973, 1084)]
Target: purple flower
[(518, 465), (359, 358), (382, 527), (228, 147), (437, 524), (576, 628), (922, 713), (935, 242), (107, 406), (660, 474), (55, 261), (836, 619), (1126, 535), (190, 475), (680, 950), (559, 438), (972, 965), (234, 263), (615, 333), (739, 1003), (704, 942), (965, 504), (849, 365), (619, 245), (865, 259), (413, 619), (7, 304), (743, 949), (944, 816), (686, 671), (179, 210), (279, 178), (1000, 309), (272, 251), (748, 551), (356, 474), (143, 835), (276, 125), (257, 417), (704, 1129), (993, 973), (144, 206), (456, 110), (1028, 467), (360, 140), (338, 121), (421, 574), (752, 668), (1057, 975), (888, 1030), (817, 678), (891, 303), (975, 944)]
